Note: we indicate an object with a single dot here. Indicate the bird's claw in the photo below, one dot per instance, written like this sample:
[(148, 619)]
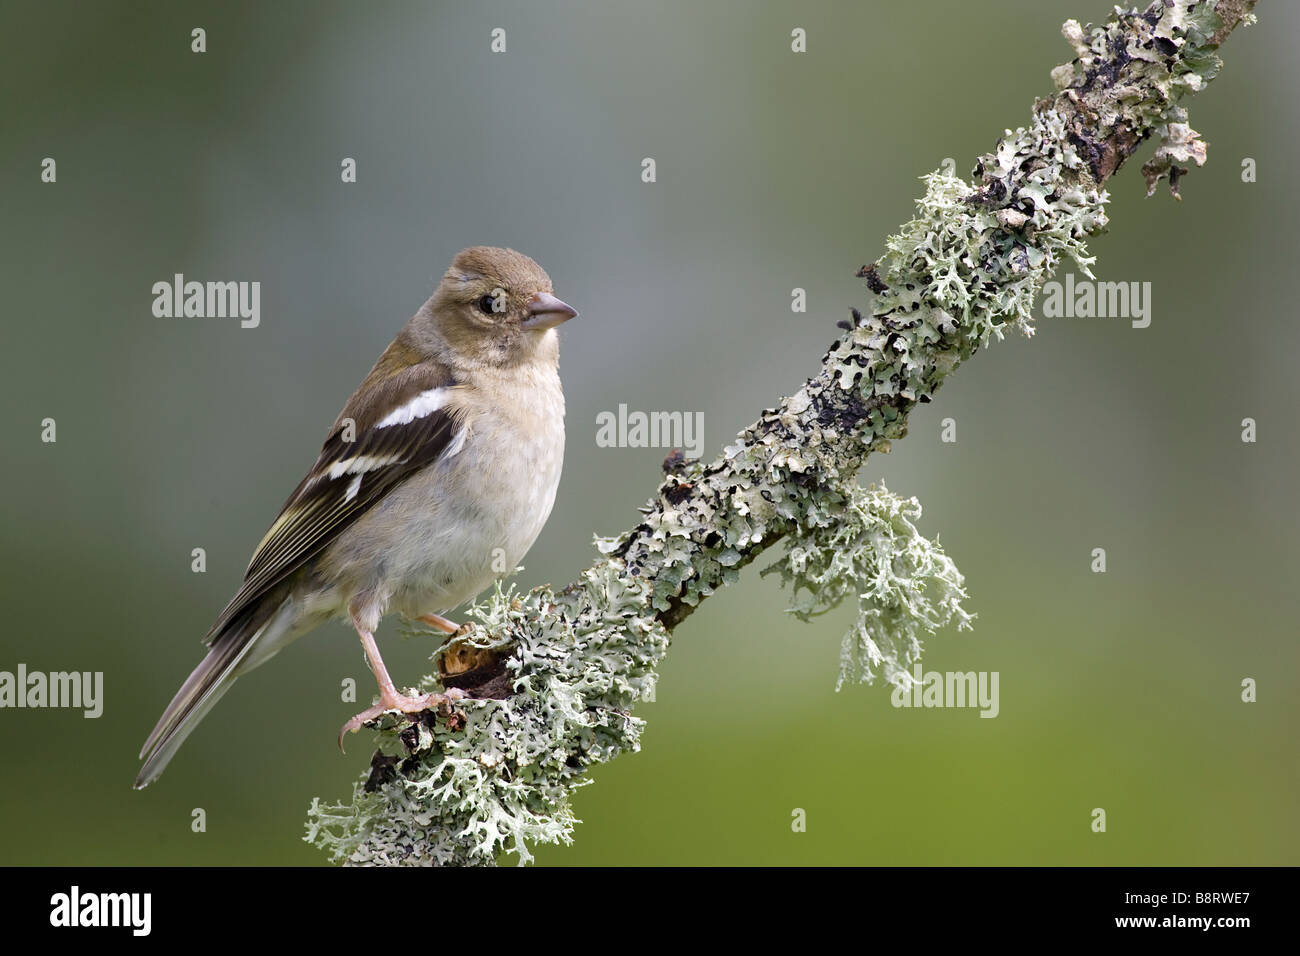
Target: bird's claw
[(440, 703)]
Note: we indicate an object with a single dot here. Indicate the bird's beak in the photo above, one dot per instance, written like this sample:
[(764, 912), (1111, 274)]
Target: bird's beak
[(545, 311)]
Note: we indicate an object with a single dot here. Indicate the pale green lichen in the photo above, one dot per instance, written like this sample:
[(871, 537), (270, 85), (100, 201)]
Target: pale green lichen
[(905, 585), (578, 662), (965, 270)]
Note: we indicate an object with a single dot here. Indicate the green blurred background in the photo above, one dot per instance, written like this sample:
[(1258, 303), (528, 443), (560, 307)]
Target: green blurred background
[(775, 171)]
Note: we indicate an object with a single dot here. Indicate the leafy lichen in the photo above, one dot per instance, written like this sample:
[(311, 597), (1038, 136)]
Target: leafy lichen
[(904, 584), (499, 776)]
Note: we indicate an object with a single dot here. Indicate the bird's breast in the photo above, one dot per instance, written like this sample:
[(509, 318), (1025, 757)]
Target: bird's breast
[(472, 516)]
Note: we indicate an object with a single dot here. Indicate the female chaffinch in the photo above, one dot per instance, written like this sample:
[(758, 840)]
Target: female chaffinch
[(435, 479)]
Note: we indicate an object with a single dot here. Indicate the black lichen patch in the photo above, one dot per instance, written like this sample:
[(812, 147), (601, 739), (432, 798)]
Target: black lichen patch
[(874, 282), (383, 771)]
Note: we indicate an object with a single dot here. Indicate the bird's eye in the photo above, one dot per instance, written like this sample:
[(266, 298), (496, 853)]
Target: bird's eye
[(487, 304)]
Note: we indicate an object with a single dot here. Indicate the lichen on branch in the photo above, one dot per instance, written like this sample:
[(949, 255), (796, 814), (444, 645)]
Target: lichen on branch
[(905, 586), (553, 675), (495, 774)]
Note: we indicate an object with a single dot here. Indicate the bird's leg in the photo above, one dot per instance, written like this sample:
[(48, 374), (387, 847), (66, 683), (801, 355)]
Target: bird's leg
[(389, 698), (440, 623)]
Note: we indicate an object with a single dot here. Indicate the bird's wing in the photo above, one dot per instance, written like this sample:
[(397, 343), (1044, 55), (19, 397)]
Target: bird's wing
[(392, 427)]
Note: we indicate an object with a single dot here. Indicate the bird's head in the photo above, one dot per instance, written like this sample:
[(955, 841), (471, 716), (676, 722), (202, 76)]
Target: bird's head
[(497, 307)]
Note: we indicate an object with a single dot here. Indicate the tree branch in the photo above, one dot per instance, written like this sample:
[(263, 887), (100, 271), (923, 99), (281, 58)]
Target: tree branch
[(553, 676)]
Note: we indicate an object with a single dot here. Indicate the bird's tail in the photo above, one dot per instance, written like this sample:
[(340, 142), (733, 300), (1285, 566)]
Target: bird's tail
[(241, 646)]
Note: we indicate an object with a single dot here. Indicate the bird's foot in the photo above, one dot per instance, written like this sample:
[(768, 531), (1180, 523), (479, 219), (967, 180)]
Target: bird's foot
[(440, 623), (401, 704)]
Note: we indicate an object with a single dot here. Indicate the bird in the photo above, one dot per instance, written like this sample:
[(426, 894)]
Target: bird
[(434, 481)]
